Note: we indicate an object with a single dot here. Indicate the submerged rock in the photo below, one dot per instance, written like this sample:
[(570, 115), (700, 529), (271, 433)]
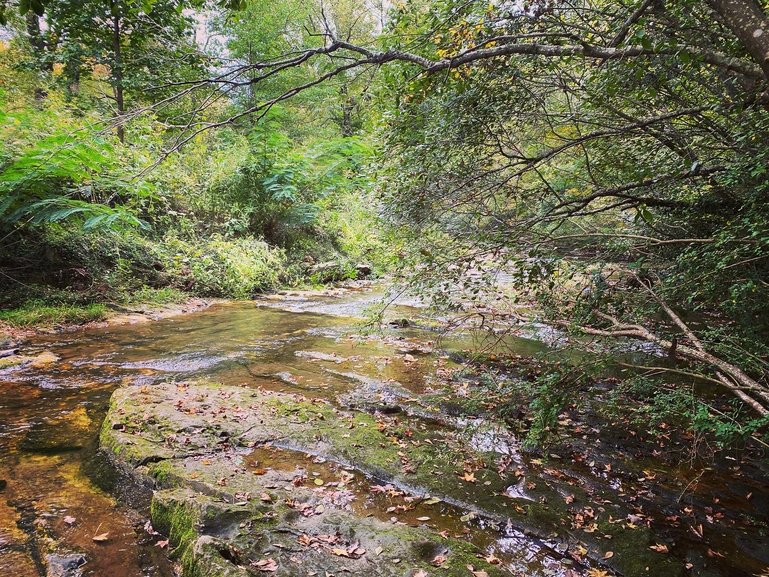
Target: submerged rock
[(68, 432), (44, 360), (14, 360), (64, 564), (40, 361)]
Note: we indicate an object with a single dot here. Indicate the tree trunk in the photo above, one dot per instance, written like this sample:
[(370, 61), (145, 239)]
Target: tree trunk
[(35, 36), (747, 20), (117, 69)]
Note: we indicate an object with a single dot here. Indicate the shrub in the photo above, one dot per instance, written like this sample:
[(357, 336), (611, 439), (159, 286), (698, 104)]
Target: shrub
[(236, 268)]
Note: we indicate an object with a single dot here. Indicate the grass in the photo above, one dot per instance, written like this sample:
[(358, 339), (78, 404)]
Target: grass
[(47, 312), (162, 296), (50, 310), (39, 314)]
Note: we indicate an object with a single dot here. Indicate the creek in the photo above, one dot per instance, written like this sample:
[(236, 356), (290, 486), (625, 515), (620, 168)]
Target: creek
[(56, 493)]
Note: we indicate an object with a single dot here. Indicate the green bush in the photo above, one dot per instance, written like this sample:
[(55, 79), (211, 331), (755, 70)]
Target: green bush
[(156, 296), (236, 268), (47, 261)]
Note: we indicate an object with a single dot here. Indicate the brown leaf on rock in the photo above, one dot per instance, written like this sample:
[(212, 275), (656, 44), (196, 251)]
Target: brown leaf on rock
[(267, 565), (477, 573), (439, 560)]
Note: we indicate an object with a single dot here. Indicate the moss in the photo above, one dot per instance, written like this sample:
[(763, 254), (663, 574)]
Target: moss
[(13, 361), (422, 548), (177, 517), (347, 437), (632, 556), (163, 473), (133, 451)]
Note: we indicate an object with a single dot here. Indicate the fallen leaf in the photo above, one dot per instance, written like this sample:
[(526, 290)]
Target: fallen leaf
[(162, 544), (101, 537), (69, 520), (439, 560), (423, 518), (608, 555), (268, 565), (318, 482), (659, 548), (265, 498)]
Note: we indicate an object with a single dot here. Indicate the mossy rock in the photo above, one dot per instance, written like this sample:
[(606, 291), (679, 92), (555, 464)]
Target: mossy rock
[(191, 440), (214, 510)]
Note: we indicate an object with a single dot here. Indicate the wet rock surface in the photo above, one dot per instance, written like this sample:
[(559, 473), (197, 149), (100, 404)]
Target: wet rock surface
[(193, 440), (64, 565), (226, 516)]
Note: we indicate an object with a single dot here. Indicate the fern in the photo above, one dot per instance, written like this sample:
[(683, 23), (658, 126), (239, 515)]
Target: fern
[(59, 179)]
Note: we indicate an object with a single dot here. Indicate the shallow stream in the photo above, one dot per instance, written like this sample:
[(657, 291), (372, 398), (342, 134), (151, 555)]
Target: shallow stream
[(50, 414)]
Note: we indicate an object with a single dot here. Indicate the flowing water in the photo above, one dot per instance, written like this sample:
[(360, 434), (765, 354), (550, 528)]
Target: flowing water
[(50, 477)]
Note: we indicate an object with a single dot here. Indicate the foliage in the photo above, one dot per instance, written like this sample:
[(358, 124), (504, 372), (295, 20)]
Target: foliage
[(84, 219), (60, 175), (597, 186), (156, 296), (656, 407), (277, 190), (237, 268)]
